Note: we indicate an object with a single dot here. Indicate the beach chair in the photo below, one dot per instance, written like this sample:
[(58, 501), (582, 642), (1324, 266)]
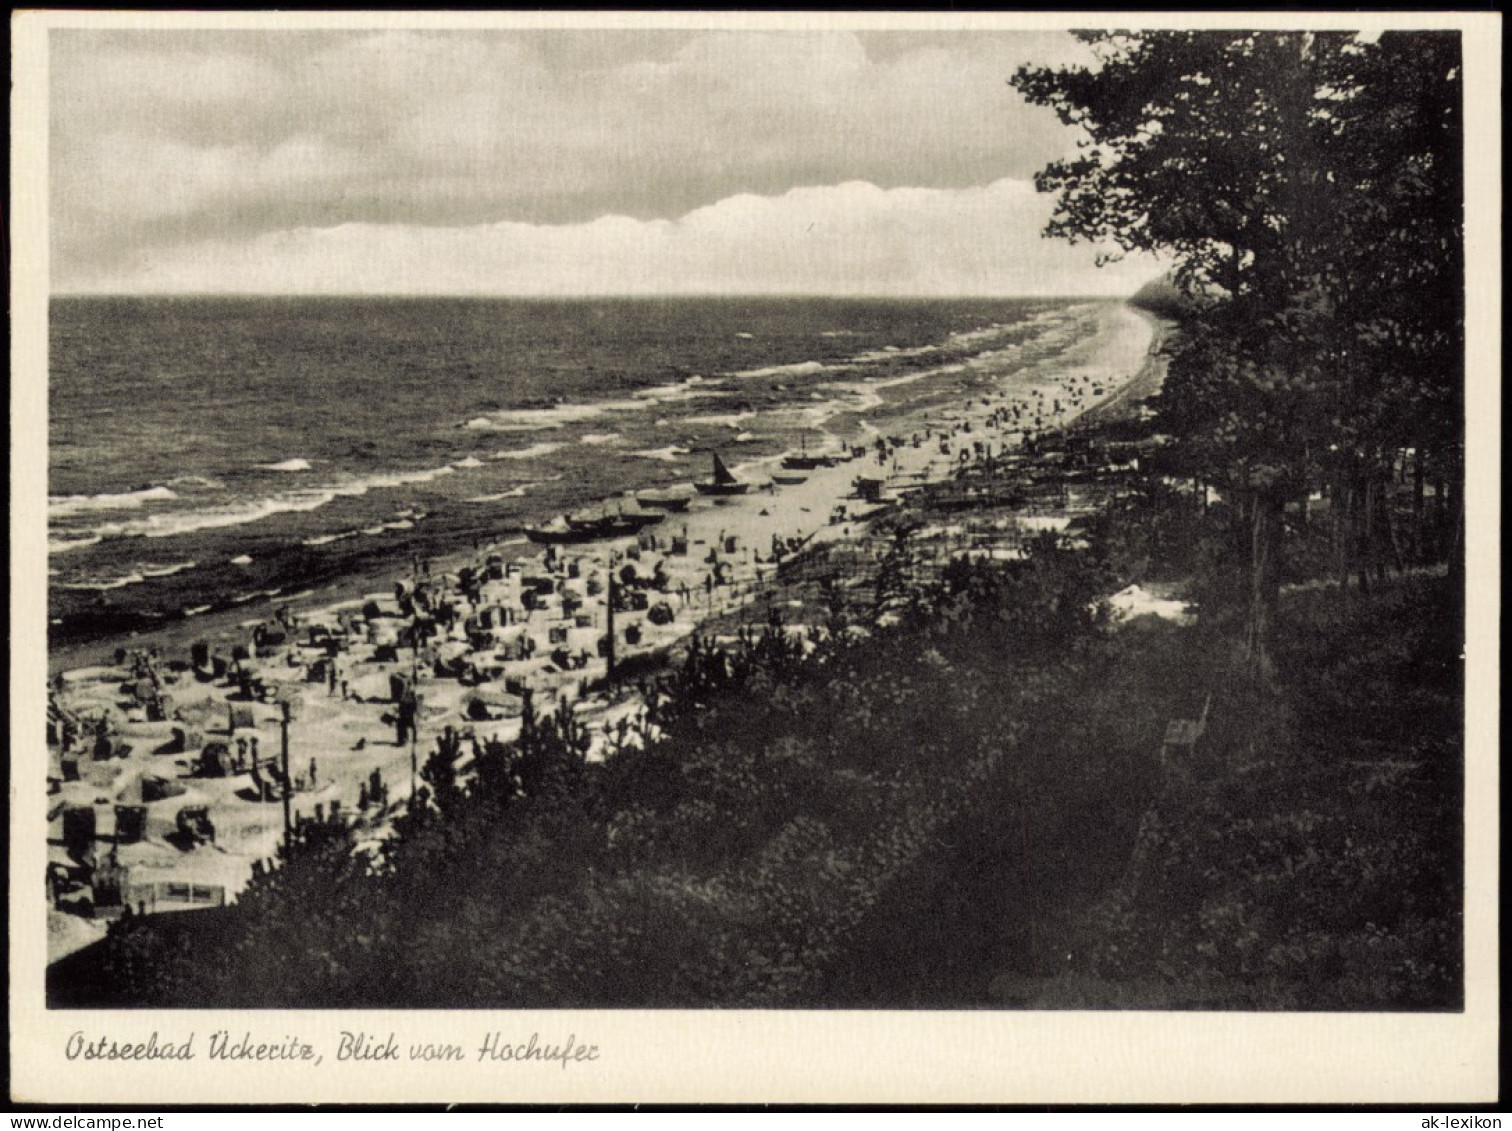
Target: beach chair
[(131, 824), (79, 831), (195, 826)]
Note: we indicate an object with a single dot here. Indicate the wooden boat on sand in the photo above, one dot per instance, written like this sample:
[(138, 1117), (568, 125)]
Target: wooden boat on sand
[(664, 500), (723, 483)]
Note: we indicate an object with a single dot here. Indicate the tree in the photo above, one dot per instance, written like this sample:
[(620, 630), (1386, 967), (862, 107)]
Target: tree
[(1305, 192)]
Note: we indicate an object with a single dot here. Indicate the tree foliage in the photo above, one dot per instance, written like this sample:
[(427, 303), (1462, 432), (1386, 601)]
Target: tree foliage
[(1306, 188)]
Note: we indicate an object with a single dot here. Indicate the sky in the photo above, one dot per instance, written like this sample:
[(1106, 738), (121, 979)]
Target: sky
[(557, 162)]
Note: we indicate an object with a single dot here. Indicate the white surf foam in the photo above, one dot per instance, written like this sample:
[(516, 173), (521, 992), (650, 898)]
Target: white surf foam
[(104, 583), (538, 419), (667, 454), (62, 543), (517, 493), (167, 570), (327, 539), (65, 505), (796, 369), (168, 524), (196, 483), (721, 419), (535, 451)]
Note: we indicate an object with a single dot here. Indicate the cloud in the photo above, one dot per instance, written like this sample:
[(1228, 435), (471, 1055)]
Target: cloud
[(167, 137), (854, 238)]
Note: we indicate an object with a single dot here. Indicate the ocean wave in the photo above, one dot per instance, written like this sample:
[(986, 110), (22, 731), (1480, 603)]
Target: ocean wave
[(796, 369), (196, 483), (917, 375), (535, 451), (241, 560), (232, 514), (667, 454), (327, 539), (895, 353), (138, 574), (166, 570), (691, 388), (861, 396), (721, 419), (469, 461), (538, 419), (243, 598), (287, 465), (65, 505), (599, 438), (516, 493), (168, 524), (563, 415), (103, 583), (62, 543)]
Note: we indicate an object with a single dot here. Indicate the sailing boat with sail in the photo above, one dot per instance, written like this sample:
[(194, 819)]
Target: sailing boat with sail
[(724, 481)]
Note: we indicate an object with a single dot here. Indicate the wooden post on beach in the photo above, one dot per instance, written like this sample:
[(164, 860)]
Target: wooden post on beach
[(288, 782)]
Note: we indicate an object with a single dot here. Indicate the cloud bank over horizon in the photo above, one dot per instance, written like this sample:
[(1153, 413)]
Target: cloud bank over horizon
[(556, 162), (848, 239)]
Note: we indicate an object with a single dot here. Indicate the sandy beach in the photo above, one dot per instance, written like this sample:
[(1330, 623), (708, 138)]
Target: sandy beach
[(155, 734)]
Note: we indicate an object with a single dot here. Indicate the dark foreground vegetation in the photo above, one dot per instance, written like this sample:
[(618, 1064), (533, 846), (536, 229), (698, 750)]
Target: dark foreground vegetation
[(967, 809)]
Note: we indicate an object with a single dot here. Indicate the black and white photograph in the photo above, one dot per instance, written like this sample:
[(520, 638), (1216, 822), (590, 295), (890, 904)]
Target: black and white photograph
[(716, 514)]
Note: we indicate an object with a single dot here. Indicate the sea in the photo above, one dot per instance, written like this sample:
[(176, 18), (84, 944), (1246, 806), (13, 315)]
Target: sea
[(208, 454)]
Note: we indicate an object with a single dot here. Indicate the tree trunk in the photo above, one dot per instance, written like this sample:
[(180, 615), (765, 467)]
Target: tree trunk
[(1417, 505), (1380, 526), (1338, 509), (1265, 577), (1397, 560)]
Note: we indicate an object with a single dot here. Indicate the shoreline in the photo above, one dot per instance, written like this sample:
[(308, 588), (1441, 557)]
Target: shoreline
[(379, 572)]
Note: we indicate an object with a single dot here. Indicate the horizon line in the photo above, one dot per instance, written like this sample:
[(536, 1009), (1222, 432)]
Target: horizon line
[(548, 297)]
